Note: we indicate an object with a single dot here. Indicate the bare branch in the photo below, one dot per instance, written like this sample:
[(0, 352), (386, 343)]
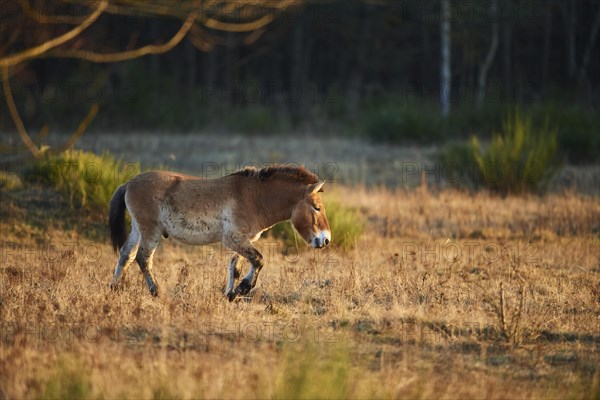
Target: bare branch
[(83, 125), (196, 37), (250, 25), (130, 54), (502, 315), (219, 9), (14, 113), (46, 46), (48, 19), (254, 36), (239, 26), (148, 9), (516, 318), (13, 37)]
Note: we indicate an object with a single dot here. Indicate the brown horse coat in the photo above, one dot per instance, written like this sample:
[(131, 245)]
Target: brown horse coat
[(234, 210)]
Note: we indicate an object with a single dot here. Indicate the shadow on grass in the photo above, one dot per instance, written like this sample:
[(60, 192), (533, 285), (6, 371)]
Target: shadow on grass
[(35, 210)]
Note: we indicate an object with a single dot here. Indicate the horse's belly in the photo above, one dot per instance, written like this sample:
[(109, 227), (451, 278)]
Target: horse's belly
[(193, 230)]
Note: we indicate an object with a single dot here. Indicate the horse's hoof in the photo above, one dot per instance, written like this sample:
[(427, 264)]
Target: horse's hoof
[(113, 286), (154, 291), (243, 288), (231, 295)]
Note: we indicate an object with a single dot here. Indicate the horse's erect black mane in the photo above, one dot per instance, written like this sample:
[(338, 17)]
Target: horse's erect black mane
[(284, 171)]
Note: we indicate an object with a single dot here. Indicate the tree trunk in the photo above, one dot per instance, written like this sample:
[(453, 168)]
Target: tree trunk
[(546, 48), (299, 92), (357, 73), (190, 66), (489, 58), (445, 57), (425, 64), (588, 49), (571, 15), (507, 67), (155, 60), (229, 96), (210, 84)]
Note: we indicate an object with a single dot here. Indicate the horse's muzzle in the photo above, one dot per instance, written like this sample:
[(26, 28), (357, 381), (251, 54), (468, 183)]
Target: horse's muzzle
[(321, 240)]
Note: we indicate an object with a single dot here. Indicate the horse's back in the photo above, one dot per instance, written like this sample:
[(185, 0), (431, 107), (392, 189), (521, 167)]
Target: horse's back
[(147, 191), (184, 207)]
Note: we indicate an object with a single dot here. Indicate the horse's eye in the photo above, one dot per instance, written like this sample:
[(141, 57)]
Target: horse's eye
[(317, 209)]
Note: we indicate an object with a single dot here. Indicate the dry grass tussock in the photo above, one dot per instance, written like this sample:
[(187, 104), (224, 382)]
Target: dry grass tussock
[(446, 295)]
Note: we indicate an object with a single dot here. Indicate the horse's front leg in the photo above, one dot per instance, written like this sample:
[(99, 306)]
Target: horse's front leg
[(232, 274), (245, 249), (249, 281)]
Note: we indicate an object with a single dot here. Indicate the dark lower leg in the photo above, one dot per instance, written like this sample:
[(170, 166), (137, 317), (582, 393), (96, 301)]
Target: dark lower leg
[(126, 255), (233, 273), (249, 281), (244, 248), (144, 260)]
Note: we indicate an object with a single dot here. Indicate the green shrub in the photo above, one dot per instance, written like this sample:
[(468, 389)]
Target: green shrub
[(459, 157), (9, 181), (520, 159), (384, 125), (580, 146), (402, 124), (346, 226), (577, 129), (84, 177), (312, 370), (68, 381), (466, 120), (253, 119), (392, 120)]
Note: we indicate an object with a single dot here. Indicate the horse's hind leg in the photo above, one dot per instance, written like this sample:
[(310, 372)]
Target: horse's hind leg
[(144, 259), (232, 274), (127, 254)]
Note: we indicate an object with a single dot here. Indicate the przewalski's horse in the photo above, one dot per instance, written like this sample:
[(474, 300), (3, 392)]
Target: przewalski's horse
[(234, 210)]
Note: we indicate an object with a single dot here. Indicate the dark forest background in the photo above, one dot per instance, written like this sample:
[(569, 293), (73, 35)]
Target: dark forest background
[(363, 68)]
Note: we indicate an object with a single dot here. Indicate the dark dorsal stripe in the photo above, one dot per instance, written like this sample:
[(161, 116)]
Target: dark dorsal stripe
[(288, 172)]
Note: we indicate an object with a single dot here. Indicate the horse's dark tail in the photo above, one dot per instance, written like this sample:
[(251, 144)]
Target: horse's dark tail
[(116, 218)]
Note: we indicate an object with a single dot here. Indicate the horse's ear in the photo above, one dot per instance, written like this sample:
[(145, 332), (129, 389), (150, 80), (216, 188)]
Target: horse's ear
[(315, 187)]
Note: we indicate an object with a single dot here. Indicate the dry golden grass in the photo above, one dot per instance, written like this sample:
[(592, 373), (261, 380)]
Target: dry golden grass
[(446, 295)]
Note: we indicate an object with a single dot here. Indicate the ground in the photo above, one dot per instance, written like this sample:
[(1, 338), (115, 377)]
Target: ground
[(446, 294)]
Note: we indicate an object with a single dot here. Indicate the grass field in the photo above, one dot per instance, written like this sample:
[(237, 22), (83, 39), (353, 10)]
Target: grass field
[(447, 294)]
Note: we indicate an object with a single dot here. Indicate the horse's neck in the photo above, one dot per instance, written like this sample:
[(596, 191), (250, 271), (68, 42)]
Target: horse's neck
[(276, 201)]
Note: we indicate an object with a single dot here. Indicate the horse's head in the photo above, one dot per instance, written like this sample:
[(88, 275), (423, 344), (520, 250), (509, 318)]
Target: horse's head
[(309, 218)]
